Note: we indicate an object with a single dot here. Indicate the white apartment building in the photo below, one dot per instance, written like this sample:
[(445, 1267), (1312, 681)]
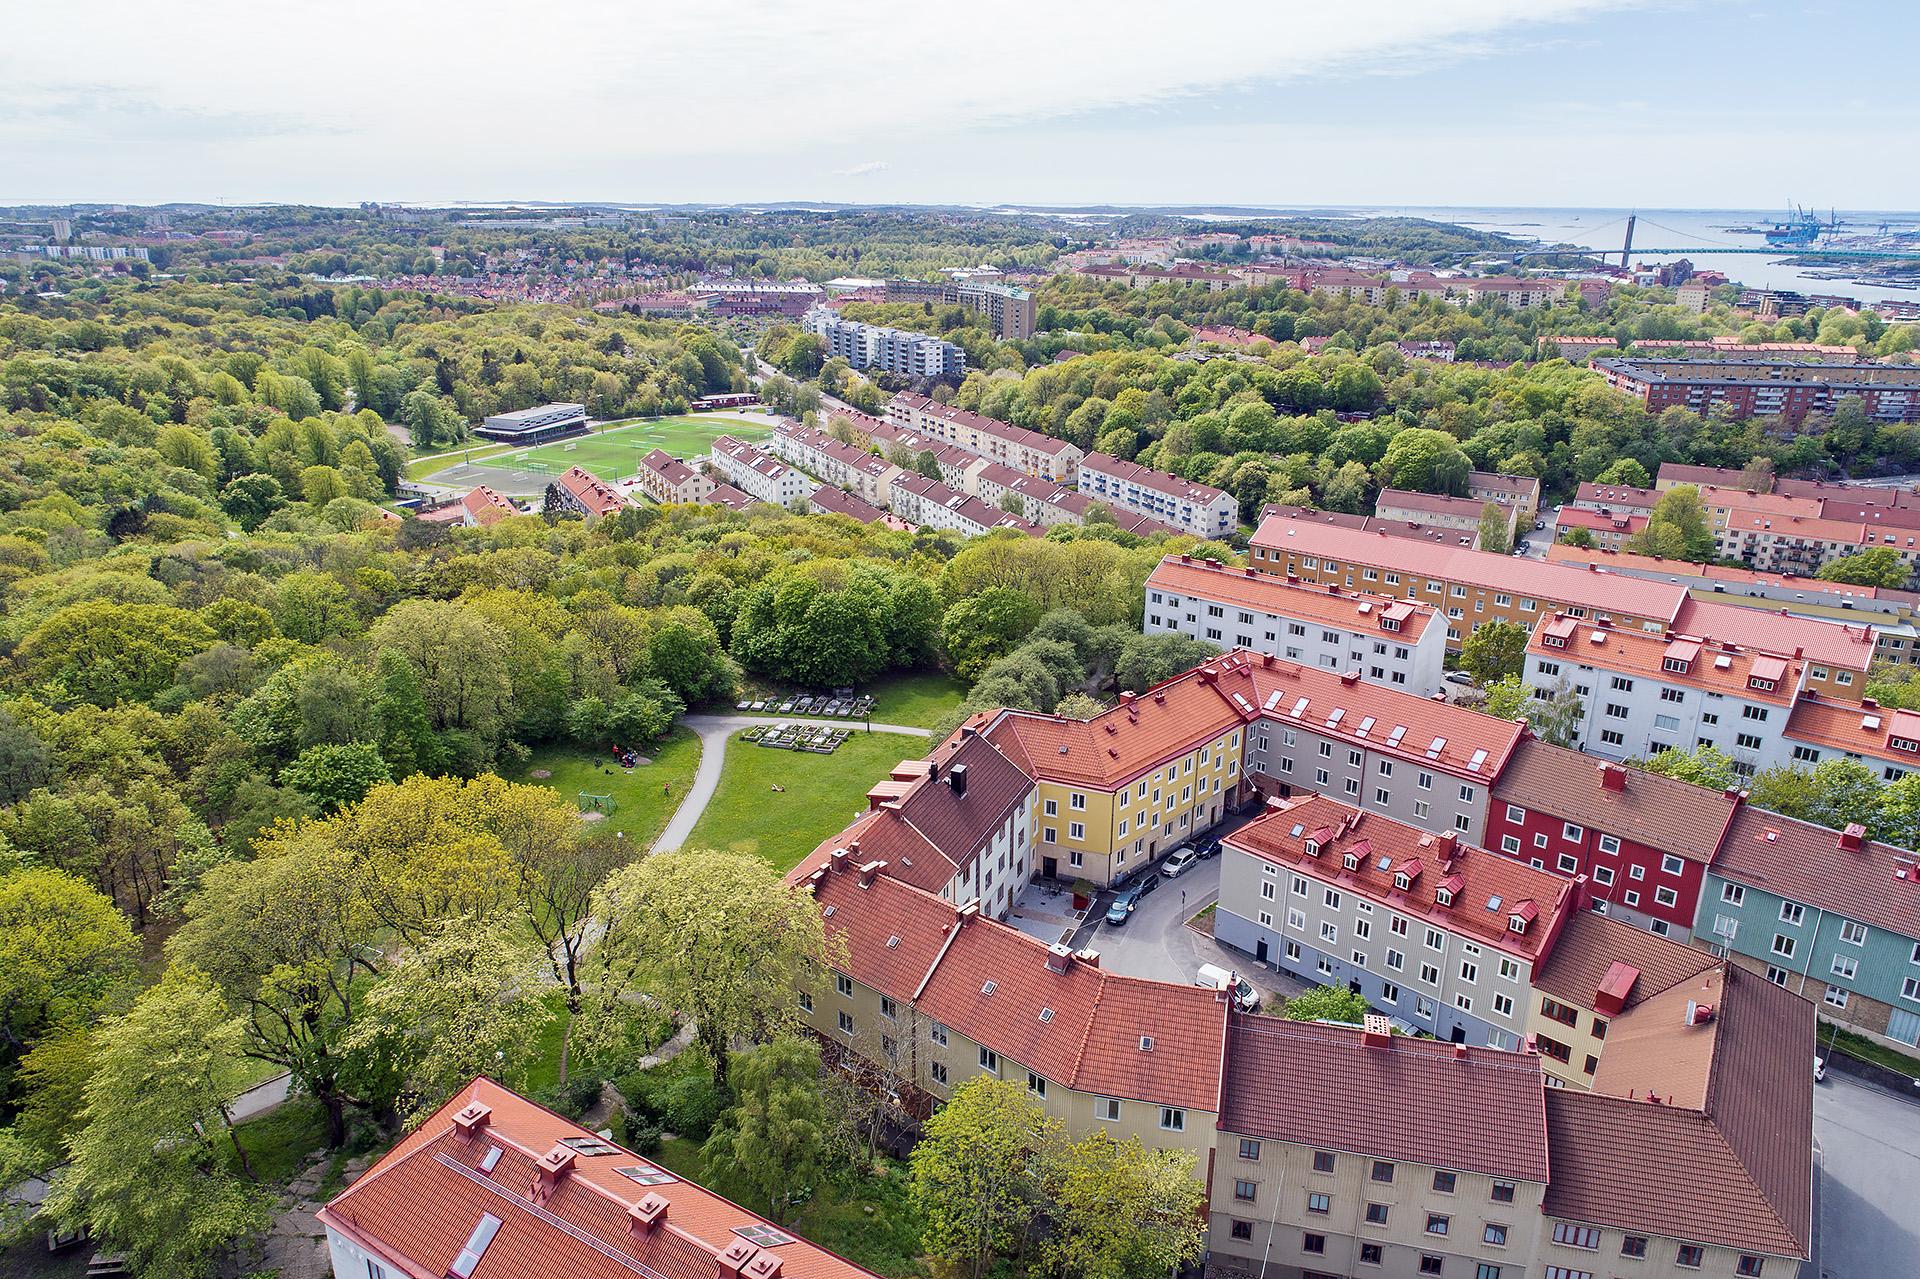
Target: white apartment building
[(758, 474), (1643, 693), (1193, 508), (1023, 450), (873, 346), (1392, 642), (932, 504), (865, 474)]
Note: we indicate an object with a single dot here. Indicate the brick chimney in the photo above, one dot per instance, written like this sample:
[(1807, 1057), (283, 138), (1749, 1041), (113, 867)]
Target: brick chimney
[(473, 1117), (552, 1169), (1059, 958), (1088, 956), (837, 860), (868, 871), (648, 1215), (1852, 837), (731, 1262), (1376, 1031), (1613, 777)]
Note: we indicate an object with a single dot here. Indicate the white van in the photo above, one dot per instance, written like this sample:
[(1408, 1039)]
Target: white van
[(1214, 977)]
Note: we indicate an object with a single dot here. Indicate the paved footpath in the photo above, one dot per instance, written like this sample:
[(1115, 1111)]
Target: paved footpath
[(715, 731)]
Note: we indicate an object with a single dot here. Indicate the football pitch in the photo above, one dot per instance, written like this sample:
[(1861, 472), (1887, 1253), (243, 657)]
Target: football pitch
[(615, 452)]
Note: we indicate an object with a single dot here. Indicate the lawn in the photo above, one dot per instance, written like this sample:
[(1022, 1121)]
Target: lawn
[(279, 1142), (822, 793), (640, 808), (614, 452)]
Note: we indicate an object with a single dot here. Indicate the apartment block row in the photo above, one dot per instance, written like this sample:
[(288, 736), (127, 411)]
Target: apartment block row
[(757, 473), (1476, 587), (1015, 446), (1755, 388), (1463, 516), (874, 346), (1199, 509), (1334, 1146), (1008, 310)]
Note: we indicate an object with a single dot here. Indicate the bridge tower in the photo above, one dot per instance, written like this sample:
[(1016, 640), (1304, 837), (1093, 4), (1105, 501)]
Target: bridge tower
[(1626, 250)]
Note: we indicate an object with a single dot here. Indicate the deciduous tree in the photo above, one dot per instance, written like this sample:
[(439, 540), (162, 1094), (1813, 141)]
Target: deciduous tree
[(773, 1142), (978, 1173)]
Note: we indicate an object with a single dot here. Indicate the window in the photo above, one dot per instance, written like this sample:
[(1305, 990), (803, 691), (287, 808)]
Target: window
[(937, 1033), (843, 984), (1732, 894), (1503, 1192), (1429, 1264), (938, 1070), (1487, 1270), (1689, 1256), (806, 1001), (1323, 1161), (1494, 1234), (1633, 1246), (989, 1061), (1503, 1005), (1382, 1172), (1173, 1119), (1565, 1232), (1443, 1182), (1561, 1272), (1376, 1214), (1313, 1243), (1438, 1223), (1554, 1010), (1370, 1254), (1671, 865), (374, 1270), (1243, 1230), (1852, 933), (1748, 1265), (483, 1232), (888, 1008), (1107, 1108), (846, 1022), (1036, 1085), (1246, 1191), (1783, 945)]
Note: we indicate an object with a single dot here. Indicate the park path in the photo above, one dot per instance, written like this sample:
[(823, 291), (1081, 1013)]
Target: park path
[(715, 731)]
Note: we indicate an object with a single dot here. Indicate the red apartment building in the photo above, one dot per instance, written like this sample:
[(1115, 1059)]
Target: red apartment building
[(1642, 840)]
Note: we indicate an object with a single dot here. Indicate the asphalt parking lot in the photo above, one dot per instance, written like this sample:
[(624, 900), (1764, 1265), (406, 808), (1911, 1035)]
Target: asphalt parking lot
[(1155, 941)]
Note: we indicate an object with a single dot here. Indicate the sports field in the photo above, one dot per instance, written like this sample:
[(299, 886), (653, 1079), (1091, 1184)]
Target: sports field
[(614, 453), (611, 453)]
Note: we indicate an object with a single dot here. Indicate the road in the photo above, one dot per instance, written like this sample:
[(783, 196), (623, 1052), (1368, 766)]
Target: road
[(715, 731), (1870, 1152)]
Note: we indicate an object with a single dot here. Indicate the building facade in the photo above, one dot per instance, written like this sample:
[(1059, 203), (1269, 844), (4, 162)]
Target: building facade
[(757, 473), (874, 346), (1199, 509)]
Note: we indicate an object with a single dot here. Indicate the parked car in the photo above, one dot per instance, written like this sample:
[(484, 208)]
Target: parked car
[(1819, 1069), (1208, 848), (1214, 977), (1178, 863), (1459, 677), (1124, 904)]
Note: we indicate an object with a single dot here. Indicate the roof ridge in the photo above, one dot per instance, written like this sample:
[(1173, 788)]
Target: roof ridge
[(1086, 1031)]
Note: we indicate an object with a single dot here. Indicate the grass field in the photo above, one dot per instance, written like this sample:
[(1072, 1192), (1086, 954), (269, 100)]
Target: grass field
[(640, 809), (615, 452), (822, 794)]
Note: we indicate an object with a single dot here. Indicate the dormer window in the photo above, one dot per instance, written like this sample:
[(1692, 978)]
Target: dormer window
[(1313, 848), (1516, 924), (1764, 685), (1443, 896), (1678, 665), (1904, 744), (1401, 881), (1389, 623), (1350, 862), (1554, 641)]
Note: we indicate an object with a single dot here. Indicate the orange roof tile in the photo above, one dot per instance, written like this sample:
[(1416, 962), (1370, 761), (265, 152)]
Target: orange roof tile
[(1288, 597), (1846, 646), (419, 1204), (1591, 947), (1487, 890), (1692, 661), (1857, 878)]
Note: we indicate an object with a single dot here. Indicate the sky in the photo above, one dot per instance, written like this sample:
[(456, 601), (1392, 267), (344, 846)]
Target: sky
[(1287, 103)]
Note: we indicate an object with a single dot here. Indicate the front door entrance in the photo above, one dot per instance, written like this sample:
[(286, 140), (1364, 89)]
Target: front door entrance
[(1260, 950), (1459, 1035), (1050, 867)]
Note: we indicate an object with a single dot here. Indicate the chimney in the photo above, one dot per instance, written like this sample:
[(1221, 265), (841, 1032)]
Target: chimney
[(1349, 678), (762, 1265), (957, 779), (736, 1256), (837, 860), (473, 1116), (868, 871), (1459, 1052), (1126, 698), (648, 1215), (1448, 842), (1698, 1014), (1851, 837), (1088, 956), (1613, 777), (1375, 1031), (550, 1171), (1059, 958)]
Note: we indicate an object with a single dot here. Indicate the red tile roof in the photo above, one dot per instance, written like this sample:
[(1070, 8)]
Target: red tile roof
[(1590, 946), (1621, 495), (418, 1205), (1057, 1014), (1679, 570), (1875, 883), (1848, 647), (1016, 435), (1487, 889), (590, 491), (1599, 521), (730, 497), (1283, 597), (1428, 504), (1522, 578), (668, 467), (1726, 1155), (1660, 812), (833, 501), (1864, 728), (1723, 668), (1418, 1100)]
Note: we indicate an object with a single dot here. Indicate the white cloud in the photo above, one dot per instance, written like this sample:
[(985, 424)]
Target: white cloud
[(592, 93), (861, 170)]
